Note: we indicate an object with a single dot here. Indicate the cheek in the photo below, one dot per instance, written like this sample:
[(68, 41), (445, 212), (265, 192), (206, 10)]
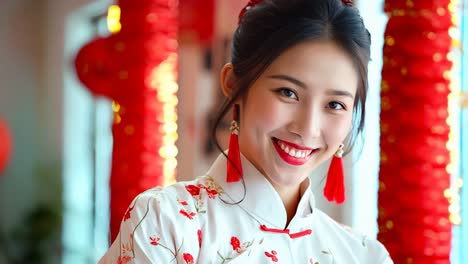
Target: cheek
[(266, 115), (337, 129)]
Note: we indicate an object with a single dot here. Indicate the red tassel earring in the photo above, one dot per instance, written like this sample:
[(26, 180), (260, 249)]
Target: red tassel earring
[(334, 187), (234, 166)]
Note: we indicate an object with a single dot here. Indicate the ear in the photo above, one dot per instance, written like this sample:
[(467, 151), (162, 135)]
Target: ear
[(228, 80)]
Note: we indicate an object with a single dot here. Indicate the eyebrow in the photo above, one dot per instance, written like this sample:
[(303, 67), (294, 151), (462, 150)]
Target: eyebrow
[(340, 93), (303, 85), (289, 79)]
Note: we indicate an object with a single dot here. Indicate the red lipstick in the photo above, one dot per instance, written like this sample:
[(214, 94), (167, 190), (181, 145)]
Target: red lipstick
[(297, 161)]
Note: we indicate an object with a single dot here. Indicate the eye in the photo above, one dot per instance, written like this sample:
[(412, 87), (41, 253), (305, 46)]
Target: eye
[(289, 93), (336, 106)]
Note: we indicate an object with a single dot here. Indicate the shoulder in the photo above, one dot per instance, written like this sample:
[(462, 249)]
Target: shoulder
[(365, 248), (180, 200), (160, 223)]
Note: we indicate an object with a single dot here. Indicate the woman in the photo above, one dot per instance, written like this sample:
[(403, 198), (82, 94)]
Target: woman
[(297, 82)]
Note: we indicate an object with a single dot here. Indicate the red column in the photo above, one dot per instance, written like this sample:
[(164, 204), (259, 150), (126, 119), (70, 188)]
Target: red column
[(413, 212), (136, 68)]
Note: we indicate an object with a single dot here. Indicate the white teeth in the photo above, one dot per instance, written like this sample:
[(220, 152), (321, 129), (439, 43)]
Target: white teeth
[(292, 152)]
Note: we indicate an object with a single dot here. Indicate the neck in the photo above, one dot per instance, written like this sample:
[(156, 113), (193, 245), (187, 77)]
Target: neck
[(290, 197)]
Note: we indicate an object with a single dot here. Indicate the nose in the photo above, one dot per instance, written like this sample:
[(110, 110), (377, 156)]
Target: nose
[(307, 123)]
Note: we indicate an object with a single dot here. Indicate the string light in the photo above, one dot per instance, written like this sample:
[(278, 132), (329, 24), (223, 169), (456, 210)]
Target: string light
[(453, 193), (163, 79), (116, 110), (113, 19)]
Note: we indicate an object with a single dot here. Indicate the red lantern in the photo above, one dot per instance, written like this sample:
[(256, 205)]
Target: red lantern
[(196, 20), (94, 68), (5, 144)]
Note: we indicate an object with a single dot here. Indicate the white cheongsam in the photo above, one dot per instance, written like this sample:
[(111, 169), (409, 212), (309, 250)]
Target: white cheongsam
[(200, 222)]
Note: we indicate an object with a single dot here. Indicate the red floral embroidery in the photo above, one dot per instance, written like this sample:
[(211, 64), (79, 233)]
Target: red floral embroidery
[(124, 259), (154, 240), (211, 193), (235, 243), (193, 189), (188, 258), (199, 233), (126, 247), (189, 215), (128, 213), (272, 255), (311, 261), (182, 202)]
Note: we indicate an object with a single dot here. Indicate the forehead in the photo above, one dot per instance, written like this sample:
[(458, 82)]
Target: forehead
[(317, 64)]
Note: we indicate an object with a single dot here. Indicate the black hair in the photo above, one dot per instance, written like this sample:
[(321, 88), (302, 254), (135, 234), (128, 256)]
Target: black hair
[(271, 27)]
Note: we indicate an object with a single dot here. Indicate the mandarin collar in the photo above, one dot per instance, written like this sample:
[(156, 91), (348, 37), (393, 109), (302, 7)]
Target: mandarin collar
[(261, 199)]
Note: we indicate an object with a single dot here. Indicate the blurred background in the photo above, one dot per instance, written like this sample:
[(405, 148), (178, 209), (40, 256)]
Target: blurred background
[(64, 116)]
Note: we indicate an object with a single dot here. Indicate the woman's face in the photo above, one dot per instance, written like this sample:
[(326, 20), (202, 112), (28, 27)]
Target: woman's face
[(295, 116)]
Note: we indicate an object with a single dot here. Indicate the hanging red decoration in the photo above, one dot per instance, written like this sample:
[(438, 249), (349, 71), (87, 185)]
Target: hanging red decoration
[(98, 73), (136, 67), (413, 211), (196, 20), (5, 145)]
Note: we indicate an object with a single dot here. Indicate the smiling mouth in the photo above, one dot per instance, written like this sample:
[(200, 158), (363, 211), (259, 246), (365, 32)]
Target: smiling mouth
[(292, 153)]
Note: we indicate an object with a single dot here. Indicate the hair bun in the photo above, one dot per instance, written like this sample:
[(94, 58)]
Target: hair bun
[(247, 7), (347, 2), (252, 3)]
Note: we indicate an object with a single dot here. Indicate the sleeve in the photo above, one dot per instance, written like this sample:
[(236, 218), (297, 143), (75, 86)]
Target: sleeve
[(387, 260), (153, 230), (377, 253)]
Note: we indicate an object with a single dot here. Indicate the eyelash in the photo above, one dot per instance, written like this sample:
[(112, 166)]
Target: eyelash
[(283, 91), (343, 107)]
